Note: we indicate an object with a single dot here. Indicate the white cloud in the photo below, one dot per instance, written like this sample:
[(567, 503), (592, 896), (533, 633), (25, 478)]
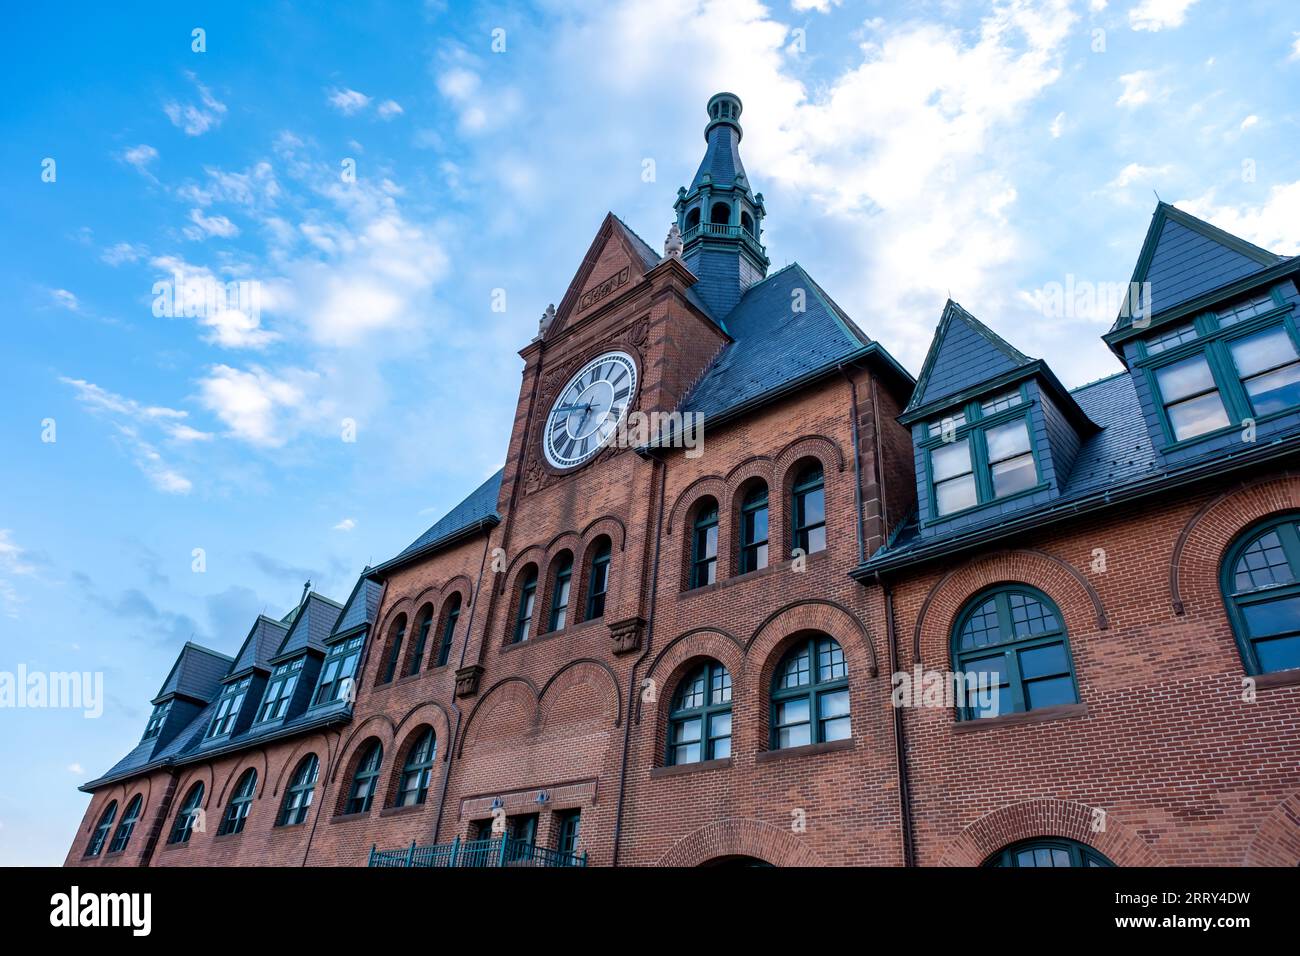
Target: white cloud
[(193, 118), (347, 524), (231, 319), (1155, 15), (389, 108), (122, 252), (1270, 225), (1139, 88), (1136, 172), (1249, 121), (76, 768), (65, 300), (1058, 126), (141, 157), (256, 405), (348, 102), (1295, 48), (821, 6), (206, 226)]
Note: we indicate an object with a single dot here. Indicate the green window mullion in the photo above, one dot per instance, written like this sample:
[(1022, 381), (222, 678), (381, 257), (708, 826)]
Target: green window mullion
[(1007, 626), (1231, 391), (979, 452)]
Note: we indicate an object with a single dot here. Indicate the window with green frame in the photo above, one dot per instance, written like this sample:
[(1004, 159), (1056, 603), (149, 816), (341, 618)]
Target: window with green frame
[(753, 529), (337, 671), (699, 718), (1013, 640), (560, 592), (598, 579), (1261, 587), (413, 787), (397, 634), (100, 834), (810, 694), (980, 454), (423, 624), (1223, 367), (450, 616), (566, 831), (808, 509), (187, 815), (297, 798), (237, 807), (1047, 852), (365, 779), (279, 690), (524, 607), (122, 836), (232, 701), (704, 544), (156, 720)]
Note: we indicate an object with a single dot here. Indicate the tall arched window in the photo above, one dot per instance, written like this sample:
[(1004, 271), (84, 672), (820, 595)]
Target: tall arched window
[(810, 694), (524, 609), (451, 616), (421, 639), (397, 633), (704, 544), (237, 806), (1047, 851), (1261, 587), (699, 720), (560, 592), (183, 827), (101, 829), (809, 510), (365, 779), (753, 529), (1011, 641), (598, 579), (297, 798), (413, 788), (720, 214), (692, 218), (122, 836)]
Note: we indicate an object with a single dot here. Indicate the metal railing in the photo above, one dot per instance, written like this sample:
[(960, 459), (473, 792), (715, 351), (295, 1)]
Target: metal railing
[(723, 231), (496, 851)]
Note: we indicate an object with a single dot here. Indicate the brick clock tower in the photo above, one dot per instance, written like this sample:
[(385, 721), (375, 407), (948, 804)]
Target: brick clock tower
[(655, 650)]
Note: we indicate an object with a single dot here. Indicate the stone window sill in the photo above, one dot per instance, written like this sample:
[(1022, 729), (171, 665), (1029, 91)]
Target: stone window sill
[(677, 770), (1288, 678), (1059, 712), (813, 559), (807, 750), (401, 811), (349, 817)]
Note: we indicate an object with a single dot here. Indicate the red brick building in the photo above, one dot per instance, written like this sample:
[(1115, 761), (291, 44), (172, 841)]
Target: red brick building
[(634, 647)]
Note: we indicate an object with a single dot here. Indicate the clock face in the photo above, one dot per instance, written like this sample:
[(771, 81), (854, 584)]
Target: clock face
[(589, 409)]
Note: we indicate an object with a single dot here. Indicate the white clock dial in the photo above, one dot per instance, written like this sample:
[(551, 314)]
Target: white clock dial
[(589, 409)]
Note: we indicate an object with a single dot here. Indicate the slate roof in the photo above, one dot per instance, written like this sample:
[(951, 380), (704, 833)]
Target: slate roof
[(264, 639), (650, 259), (362, 606), (312, 625), (772, 345), (721, 158), (197, 673), (963, 353), (479, 506), (1184, 257)]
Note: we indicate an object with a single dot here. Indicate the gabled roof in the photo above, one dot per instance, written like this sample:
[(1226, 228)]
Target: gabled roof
[(773, 346), (197, 673), (312, 625), (362, 605), (1184, 257), (479, 507), (264, 639), (964, 353)]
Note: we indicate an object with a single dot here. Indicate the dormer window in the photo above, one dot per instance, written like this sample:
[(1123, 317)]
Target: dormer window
[(232, 700), (156, 720), (336, 673), (279, 690), (1167, 340)]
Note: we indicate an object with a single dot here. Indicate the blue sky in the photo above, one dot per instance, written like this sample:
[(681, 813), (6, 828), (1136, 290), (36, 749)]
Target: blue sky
[(906, 151)]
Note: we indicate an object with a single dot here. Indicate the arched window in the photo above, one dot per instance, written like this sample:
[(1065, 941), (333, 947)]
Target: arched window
[(365, 779), (1261, 586), (1047, 851), (413, 788), (186, 816), (560, 592), (1011, 641), (524, 611), (810, 694), (452, 615), (237, 807), (397, 633), (598, 579), (704, 544), (693, 218), (747, 222), (809, 510), (122, 836), (101, 830), (421, 639), (753, 529), (699, 720), (720, 214), (297, 799)]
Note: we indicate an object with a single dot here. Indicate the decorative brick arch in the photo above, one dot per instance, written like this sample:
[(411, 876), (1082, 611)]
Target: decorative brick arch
[(512, 693), (810, 446), (1277, 841), (1032, 819), (1194, 566), (316, 744), (571, 676), (741, 837), (1077, 599), (813, 615), (376, 725), (711, 485), (431, 713), (256, 759), (607, 525)]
